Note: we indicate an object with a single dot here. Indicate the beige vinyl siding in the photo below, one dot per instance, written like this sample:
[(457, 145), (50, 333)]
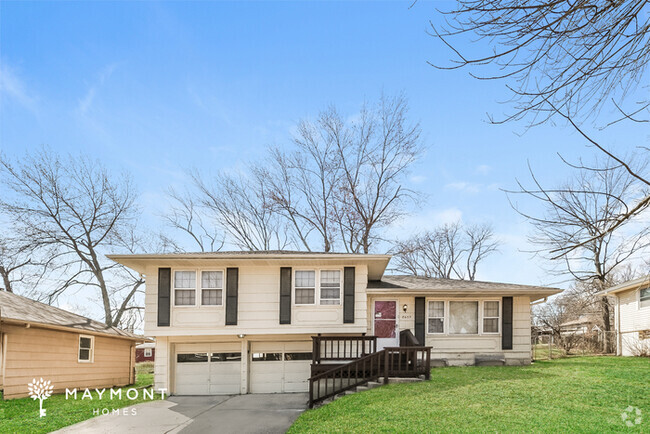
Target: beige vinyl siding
[(461, 349), (633, 319), (53, 355), (258, 305)]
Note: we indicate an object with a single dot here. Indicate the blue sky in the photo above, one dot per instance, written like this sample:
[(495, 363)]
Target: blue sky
[(158, 88)]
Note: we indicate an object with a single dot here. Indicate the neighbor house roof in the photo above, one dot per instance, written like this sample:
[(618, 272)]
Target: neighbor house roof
[(15, 308), (431, 285), (625, 286), (583, 319), (376, 263)]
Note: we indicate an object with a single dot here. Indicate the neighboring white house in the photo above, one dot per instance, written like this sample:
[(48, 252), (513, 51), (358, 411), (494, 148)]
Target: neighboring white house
[(243, 322), (632, 316)]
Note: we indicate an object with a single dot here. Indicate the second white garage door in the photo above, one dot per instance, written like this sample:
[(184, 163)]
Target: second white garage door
[(277, 367), (208, 369)]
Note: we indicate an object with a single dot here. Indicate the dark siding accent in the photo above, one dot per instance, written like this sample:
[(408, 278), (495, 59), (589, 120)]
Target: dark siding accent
[(232, 284), (285, 295), (506, 324), (419, 319), (164, 293), (348, 295)]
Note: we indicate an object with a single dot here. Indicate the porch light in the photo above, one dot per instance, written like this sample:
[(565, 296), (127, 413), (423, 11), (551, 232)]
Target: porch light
[(241, 336), (405, 308)]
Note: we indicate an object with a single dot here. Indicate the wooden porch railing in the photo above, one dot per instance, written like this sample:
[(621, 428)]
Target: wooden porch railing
[(342, 348), (389, 362)]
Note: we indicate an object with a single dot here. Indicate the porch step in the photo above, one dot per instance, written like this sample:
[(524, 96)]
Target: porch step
[(438, 363), (490, 360), (372, 384)]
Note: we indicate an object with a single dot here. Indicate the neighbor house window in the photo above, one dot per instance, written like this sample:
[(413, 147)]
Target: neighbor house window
[(491, 317), (305, 287), (147, 352), (185, 288), (463, 317), (644, 297), (330, 287), (211, 288), (86, 348), (436, 317)]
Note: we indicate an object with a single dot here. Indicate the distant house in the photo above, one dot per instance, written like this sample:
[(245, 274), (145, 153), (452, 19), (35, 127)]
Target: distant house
[(584, 325), (71, 351), (632, 316), (145, 352)]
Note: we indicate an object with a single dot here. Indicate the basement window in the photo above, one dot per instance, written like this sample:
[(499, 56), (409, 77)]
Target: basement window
[(86, 348)]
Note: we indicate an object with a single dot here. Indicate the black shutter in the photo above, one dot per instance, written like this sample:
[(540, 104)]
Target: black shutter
[(164, 292), (285, 295), (419, 319), (232, 283), (506, 324), (348, 295)]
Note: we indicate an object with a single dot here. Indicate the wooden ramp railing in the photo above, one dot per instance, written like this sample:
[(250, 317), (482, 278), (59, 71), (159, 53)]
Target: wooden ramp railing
[(342, 348), (389, 362)]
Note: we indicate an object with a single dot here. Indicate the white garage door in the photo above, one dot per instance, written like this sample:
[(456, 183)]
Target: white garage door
[(208, 369), (277, 367)]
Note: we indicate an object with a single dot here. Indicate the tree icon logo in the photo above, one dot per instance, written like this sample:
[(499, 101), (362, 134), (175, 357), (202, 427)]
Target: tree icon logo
[(40, 390)]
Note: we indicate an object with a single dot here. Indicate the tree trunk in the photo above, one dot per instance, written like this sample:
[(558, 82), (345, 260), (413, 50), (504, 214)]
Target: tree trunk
[(5, 279), (604, 303)]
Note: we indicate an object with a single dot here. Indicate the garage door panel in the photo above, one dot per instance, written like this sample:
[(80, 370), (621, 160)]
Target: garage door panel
[(219, 374), (289, 374)]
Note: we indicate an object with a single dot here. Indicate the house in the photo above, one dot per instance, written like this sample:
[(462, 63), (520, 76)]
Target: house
[(261, 322), (145, 352), (71, 351), (631, 316), (583, 325)]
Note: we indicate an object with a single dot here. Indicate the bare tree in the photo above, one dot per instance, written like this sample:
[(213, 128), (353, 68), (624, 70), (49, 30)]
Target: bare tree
[(14, 260), (303, 184), (552, 315), (444, 251), (375, 152), (570, 56), (581, 213), (241, 206), (187, 217), (73, 207)]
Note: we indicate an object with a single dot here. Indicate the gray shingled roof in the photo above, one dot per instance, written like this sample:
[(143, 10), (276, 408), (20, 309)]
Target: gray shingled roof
[(18, 308), (420, 283)]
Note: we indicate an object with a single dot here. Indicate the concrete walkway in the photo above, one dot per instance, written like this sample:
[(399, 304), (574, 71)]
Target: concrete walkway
[(259, 413)]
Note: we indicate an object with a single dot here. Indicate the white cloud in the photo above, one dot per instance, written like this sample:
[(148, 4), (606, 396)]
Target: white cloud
[(483, 169), (466, 187), (418, 179), (86, 102), (14, 88)]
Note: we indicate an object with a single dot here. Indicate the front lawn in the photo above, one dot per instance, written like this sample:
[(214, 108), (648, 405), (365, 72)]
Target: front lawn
[(582, 394), (22, 415)]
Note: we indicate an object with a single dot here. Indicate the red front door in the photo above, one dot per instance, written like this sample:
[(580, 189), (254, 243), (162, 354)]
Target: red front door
[(386, 323)]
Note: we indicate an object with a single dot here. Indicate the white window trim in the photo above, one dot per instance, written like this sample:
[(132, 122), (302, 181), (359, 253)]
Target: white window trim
[(198, 289), (149, 351), (91, 359), (444, 318), (317, 288), (638, 298), (498, 332), (480, 317)]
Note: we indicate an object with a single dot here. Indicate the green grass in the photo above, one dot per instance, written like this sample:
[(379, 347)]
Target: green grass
[(580, 394), (22, 415)]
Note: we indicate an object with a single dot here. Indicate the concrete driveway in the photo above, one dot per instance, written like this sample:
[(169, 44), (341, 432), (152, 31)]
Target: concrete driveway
[(259, 413)]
